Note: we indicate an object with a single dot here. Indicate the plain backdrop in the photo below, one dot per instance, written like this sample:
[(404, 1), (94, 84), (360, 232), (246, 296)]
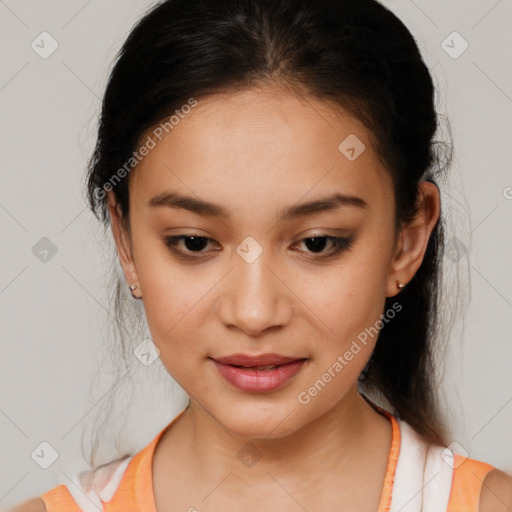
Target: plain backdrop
[(53, 312)]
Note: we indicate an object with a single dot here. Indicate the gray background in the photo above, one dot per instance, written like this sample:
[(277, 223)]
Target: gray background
[(54, 313)]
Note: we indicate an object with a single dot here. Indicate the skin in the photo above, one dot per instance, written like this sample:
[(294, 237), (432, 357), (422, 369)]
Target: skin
[(256, 152)]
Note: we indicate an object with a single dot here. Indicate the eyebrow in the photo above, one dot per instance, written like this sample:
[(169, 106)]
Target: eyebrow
[(200, 207)]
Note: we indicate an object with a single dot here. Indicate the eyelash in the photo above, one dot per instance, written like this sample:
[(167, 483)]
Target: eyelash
[(340, 244)]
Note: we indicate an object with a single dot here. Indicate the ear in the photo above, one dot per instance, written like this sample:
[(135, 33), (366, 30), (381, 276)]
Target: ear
[(413, 238), (121, 233)]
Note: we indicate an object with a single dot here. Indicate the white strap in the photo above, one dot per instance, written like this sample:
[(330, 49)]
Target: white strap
[(423, 477), (438, 479), (91, 488)]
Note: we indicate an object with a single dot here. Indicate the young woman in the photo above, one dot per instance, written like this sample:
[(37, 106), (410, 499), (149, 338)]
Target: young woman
[(269, 172)]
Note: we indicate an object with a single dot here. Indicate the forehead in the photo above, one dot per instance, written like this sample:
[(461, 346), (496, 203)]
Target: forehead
[(262, 143)]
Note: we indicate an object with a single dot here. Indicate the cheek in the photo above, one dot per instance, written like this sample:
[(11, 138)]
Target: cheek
[(348, 308), (173, 300), (173, 311), (345, 300)]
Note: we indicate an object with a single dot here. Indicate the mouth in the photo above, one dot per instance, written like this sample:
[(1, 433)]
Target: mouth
[(258, 374)]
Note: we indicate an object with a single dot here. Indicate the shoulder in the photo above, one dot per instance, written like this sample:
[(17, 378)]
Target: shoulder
[(88, 489), (496, 494), (32, 505)]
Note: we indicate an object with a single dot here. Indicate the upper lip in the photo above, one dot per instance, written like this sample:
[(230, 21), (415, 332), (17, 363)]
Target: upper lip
[(261, 360)]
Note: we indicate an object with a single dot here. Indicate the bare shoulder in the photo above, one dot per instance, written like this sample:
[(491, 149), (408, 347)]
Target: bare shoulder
[(496, 494), (32, 505)]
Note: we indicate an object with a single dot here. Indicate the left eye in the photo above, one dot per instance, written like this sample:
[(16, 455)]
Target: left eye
[(315, 244)]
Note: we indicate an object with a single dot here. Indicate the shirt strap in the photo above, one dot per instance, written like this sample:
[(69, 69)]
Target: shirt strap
[(90, 489), (424, 474)]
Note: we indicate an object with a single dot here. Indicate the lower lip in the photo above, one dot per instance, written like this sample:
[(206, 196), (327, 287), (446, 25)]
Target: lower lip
[(259, 381)]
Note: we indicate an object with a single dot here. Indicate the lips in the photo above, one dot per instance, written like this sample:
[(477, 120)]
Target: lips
[(255, 361), (258, 374)]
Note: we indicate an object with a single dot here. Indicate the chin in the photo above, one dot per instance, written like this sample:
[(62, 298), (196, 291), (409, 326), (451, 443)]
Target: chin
[(259, 421)]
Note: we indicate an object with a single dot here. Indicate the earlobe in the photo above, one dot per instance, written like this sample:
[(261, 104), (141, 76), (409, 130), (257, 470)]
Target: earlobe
[(413, 238), (397, 280), (122, 241)]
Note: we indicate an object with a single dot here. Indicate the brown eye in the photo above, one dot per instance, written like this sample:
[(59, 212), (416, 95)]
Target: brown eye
[(193, 244), (317, 244)]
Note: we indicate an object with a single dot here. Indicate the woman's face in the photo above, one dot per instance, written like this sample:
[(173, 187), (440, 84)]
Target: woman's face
[(255, 285)]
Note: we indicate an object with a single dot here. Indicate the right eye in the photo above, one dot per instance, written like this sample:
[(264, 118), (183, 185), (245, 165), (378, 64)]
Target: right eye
[(193, 244)]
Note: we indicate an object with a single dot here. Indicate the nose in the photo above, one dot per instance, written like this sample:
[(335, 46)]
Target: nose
[(255, 299)]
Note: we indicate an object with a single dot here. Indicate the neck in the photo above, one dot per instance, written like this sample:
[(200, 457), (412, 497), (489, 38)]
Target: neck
[(332, 443)]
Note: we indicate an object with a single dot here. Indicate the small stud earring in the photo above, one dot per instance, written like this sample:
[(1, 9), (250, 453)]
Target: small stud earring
[(132, 288), (400, 285)]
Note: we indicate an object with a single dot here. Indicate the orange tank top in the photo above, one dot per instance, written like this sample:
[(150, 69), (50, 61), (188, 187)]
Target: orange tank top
[(126, 485)]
